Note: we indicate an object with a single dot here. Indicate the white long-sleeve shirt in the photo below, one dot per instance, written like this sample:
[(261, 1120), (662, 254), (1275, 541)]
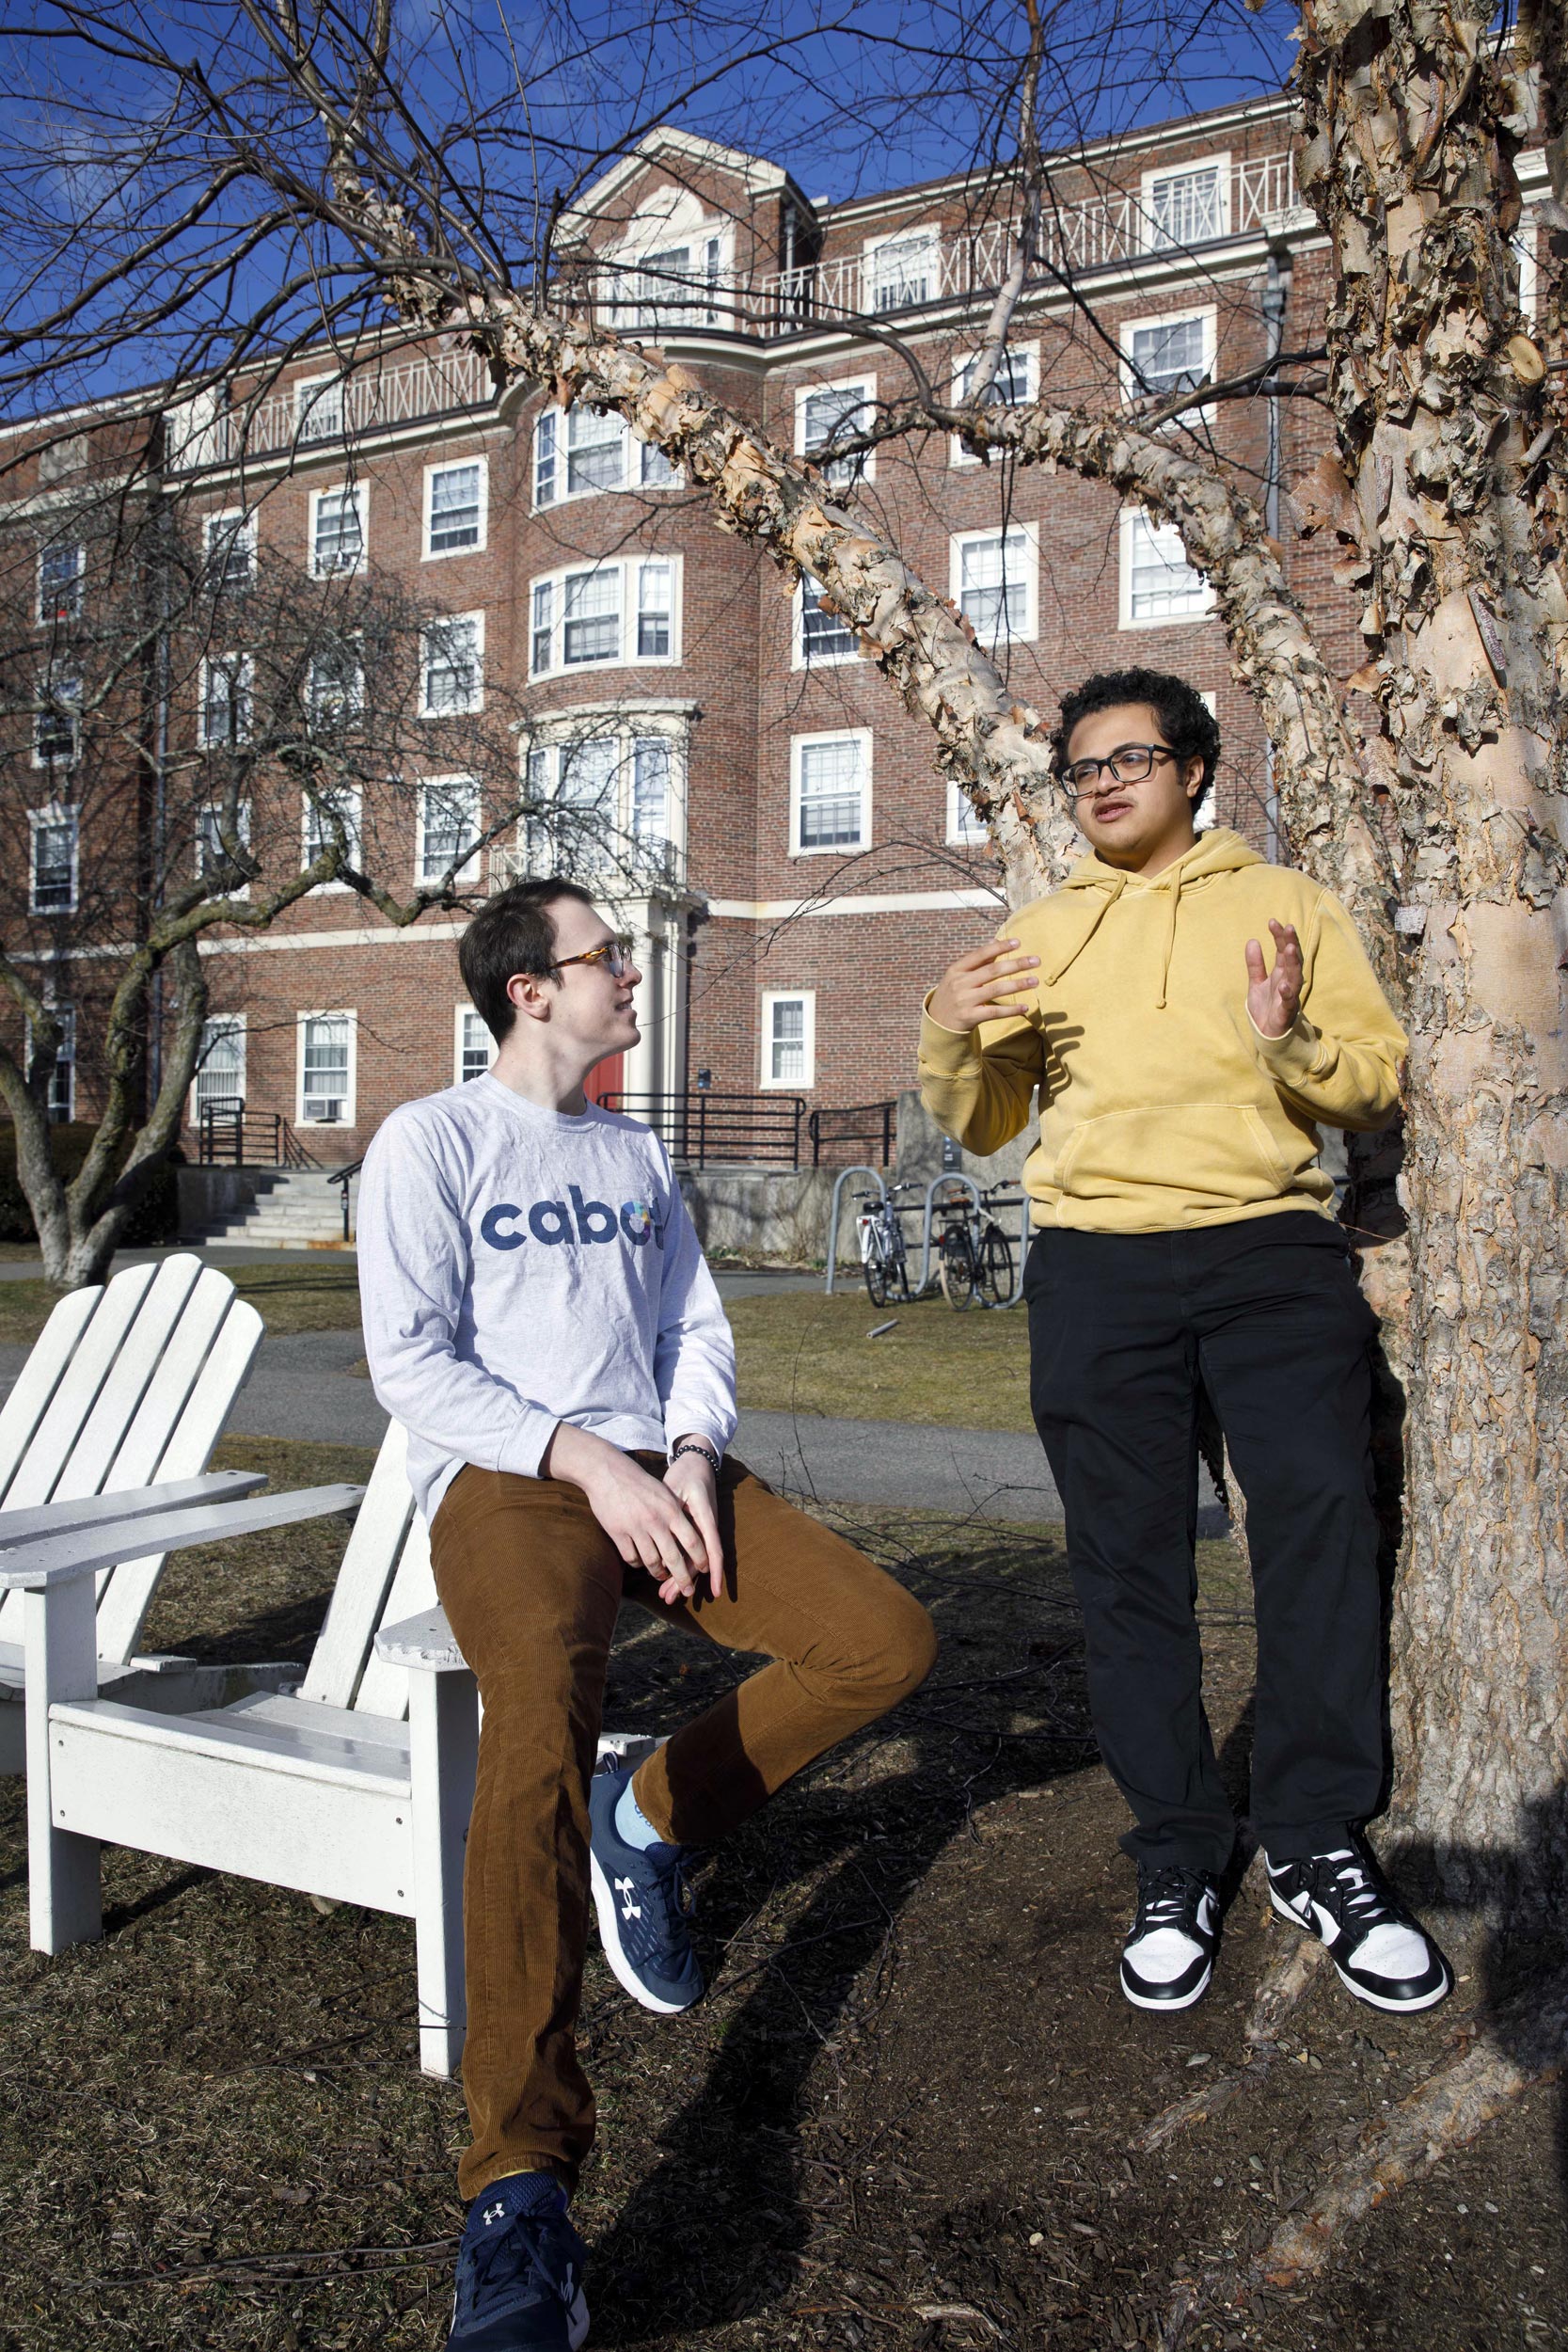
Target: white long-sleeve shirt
[(518, 1268)]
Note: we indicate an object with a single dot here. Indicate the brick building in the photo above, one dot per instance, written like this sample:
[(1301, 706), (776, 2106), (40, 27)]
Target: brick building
[(801, 873)]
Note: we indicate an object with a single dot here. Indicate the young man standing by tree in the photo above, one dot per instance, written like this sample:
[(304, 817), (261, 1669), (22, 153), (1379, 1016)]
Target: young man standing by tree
[(1185, 1243), (539, 1317)]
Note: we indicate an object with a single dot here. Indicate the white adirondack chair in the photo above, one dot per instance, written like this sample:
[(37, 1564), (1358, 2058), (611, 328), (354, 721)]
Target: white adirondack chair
[(128, 1386), (357, 1787)]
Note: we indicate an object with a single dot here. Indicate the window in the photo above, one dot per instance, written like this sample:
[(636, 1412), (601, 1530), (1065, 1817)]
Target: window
[(677, 285), (823, 411), (449, 828), (475, 1047), (57, 726), (904, 270), (219, 1081), (326, 1069), (789, 1038), (455, 511), (620, 801), (831, 791), (224, 716), (1158, 583), (212, 859), (229, 550), (337, 530), (52, 861), (1168, 355), (580, 450), (650, 795), (819, 637), (61, 1100), (334, 688), (451, 666), (1187, 207), (1016, 382), (319, 407), (324, 814), (1522, 246), (623, 613), (62, 568), (964, 829), (993, 582), (1208, 816)]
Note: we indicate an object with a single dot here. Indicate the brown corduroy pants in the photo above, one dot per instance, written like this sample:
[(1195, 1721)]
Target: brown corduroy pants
[(531, 1586)]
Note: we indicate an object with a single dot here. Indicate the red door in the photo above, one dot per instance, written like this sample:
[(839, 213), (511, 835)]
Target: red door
[(606, 1078)]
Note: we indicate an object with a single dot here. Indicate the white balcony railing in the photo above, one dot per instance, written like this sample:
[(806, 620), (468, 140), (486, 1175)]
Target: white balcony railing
[(204, 431)]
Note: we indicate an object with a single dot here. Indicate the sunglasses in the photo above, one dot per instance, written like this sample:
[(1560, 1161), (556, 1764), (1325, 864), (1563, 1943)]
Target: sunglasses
[(615, 954)]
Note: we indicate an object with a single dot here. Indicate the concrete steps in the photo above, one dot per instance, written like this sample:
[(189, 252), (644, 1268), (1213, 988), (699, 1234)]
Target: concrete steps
[(288, 1209)]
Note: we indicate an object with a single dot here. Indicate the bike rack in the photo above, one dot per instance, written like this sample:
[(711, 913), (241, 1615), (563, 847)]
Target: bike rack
[(949, 1176), (1017, 1292), (845, 1175)]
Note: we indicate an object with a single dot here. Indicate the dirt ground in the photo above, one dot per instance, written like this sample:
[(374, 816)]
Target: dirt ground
[(903, 2118)]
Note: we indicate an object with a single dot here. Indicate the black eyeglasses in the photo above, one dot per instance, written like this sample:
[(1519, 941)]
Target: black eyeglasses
[(1128, 764), (615, 954)]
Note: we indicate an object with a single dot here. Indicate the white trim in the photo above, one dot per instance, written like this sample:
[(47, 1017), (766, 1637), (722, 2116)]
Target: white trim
[(454, 465), (799, 745), (247, 685), (806, 999), (797, 656), (627, 568), (56, 815), (960, 809), (1208, 817), (476, 700), (245, 535), (462, 1014), (863, 903), (1131, 390), (1188, 169), (1030, 535), (237, 1021), (1526, 244), (925, 231), (64, 1058), (360, 493), (242, 809), (844, 473), (47, 763), (468, 871), (328, 415), (353, 828), (636, 450), (1030, 355), (1132, 517), (339, 1013)]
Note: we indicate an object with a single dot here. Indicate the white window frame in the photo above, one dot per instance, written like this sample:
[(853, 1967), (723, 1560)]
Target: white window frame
[(799, 659), (467, 872), (46, 760), (355, 702), (308, 403), (1149, 239), (928, 233), (360, 493), (798, 746), (353, 827), (1207, 313), (65, 1059), (303, 1020), (628, 568), (624, 730), (53, 814), (241, 890), (964, 828), (236, 1023), (1029, 534), (464, 1014), (636, 454), (1525, 246), (244, 536), (79, 583), (248, 689), (1131, 518), (1029, 353), (806, 998), (429, 554), (633, 307), (1208, 817), (476, 698), (844, 473)]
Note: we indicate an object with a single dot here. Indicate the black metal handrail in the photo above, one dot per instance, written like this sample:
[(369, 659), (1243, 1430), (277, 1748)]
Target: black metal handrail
[(228, 1135), (343, 1177), (706, 1129), (858, 1123)]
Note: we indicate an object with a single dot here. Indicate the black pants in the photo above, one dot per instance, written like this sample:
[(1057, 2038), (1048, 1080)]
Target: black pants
[(1266, 1314)]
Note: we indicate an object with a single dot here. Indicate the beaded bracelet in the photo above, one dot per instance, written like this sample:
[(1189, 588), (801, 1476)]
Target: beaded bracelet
[(695, 1445)]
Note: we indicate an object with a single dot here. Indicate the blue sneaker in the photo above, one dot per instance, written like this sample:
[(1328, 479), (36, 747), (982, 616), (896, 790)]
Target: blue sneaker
[(641, 1897), (519, 2271)]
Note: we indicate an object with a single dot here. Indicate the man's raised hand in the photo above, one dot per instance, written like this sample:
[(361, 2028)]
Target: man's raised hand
[(988, 984), (1274, 998)]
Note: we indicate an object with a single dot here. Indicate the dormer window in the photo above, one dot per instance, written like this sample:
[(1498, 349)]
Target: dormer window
[(1188, 206)]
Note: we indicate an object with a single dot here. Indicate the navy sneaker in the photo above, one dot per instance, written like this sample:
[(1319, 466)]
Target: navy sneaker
[(1385, 1956), (1168, 1957), (519, 2271), (641, 1897)]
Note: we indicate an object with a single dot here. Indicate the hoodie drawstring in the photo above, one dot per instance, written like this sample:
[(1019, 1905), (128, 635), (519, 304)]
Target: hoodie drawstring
[(1174, 898)]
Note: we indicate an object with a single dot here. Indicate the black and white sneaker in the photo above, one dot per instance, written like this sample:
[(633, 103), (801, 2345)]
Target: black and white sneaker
[(1384, 1955), (1168, 1957)]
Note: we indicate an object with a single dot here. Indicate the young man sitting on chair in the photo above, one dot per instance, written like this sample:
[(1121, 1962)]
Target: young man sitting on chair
[(539, 1317)]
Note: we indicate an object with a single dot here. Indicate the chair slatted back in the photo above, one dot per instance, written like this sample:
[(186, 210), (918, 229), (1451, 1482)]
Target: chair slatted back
[(130, 1381), (366, 1579)]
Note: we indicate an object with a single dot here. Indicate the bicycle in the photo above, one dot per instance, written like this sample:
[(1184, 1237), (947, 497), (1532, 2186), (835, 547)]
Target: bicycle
[(976, 1257), (885, 1252)]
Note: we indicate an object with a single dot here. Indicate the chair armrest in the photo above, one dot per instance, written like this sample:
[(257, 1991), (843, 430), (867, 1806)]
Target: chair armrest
[(134, 1502), (425, 1643), (54, 1559)]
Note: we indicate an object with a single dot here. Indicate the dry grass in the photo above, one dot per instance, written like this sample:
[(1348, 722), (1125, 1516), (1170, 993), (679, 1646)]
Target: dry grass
[(313, 1295), (810, 1354)]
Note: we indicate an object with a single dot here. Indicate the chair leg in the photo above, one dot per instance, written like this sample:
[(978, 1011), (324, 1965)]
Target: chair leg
[(443, 1725), (60, 1633)]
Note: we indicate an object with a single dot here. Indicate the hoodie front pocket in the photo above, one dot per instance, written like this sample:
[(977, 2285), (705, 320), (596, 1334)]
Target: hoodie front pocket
[(1207, 1155)]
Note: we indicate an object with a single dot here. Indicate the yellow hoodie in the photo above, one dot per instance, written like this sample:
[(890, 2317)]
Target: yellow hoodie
[(1161, 1104)]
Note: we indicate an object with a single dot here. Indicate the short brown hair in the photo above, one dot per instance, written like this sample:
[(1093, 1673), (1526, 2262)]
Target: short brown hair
[(511, 933)]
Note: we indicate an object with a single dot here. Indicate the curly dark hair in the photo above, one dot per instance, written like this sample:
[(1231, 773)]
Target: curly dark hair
[(1186, 722)]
